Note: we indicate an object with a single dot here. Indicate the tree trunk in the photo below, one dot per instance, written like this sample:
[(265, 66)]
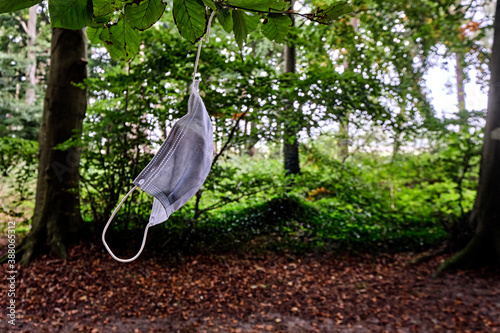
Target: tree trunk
[(30, 91), (484, 248), (290, 143), (344, 137), (459, 69), (252, 139), (396, 145), (57, 220), (344, 124), (460, 82)]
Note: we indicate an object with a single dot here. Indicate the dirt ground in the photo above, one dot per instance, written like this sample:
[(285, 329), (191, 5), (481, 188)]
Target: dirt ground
[(90, 292)]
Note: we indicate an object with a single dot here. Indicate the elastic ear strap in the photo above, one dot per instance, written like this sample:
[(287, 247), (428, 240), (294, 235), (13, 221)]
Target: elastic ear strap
[(199, 45), (109, 222)]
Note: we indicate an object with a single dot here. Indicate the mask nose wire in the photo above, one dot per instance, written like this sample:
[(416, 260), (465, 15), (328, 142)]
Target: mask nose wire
[(108, 223), (199, 45)]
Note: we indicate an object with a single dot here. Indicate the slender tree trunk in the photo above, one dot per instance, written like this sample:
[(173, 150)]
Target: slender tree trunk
[(459, 69), (290, 144), (396, 146), (460, 81), (484, 248), (252, 139), (344, 137), (344, 124), (57, 220), (30, 91), (399, 130)]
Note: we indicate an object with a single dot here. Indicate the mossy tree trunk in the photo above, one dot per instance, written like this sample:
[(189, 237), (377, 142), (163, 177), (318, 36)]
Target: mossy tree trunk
[(57, 220), (484, 248)]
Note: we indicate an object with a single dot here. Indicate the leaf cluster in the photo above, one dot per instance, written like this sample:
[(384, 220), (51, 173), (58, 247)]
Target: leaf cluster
[(116, 23)]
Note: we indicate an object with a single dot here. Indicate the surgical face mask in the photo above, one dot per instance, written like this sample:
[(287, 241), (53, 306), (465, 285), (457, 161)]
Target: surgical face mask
[(183, 162), (181, 165), (179, 169)]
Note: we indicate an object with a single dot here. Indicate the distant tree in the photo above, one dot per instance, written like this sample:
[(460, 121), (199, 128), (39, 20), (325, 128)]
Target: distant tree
[(23, 63), (291, 142), (31, 70)]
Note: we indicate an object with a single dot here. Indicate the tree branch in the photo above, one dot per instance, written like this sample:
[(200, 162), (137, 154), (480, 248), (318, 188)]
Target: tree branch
[(309, 16), (231, 135), (228, 201), (23, 24)]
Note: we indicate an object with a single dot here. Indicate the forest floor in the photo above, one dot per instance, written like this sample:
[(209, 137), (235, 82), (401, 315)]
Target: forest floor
[(266, 292)]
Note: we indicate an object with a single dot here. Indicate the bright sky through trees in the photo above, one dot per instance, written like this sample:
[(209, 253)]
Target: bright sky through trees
[(443, 90)]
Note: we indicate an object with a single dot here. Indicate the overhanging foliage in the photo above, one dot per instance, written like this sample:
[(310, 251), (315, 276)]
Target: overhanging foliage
[(115, 23)]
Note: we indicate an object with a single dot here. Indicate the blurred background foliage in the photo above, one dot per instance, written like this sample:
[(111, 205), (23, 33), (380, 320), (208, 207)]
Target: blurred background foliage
[(380, 170)]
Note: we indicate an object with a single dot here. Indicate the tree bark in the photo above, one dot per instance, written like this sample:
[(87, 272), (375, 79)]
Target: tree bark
[(460, 82), (484, 248), (290, 142), (344, 124), (459, 70), (252, 139), (30, 91), (57, 220), (344, 137)]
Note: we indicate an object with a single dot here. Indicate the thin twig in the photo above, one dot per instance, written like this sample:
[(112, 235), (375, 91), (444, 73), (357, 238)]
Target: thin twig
[(231, 135), (225, 202), (309, 16)]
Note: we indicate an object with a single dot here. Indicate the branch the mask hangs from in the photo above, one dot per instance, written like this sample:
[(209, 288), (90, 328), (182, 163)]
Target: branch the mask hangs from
[(180, 167)]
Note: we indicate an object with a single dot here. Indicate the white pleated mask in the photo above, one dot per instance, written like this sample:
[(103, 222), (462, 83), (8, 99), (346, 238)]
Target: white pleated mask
[(183, 162), (180, 167)]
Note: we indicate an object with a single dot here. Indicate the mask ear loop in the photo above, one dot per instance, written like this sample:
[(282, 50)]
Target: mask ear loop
[(109, 222), (199, 45)]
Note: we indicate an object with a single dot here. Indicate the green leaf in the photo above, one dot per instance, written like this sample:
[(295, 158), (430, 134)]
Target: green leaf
[(103, 7), (330, 13), (145, 14), (70, 14), (262, 5), (9, 6), (276, 27), (100, 21), (121, 40), (252, 20), (210, 3), (191, 18), (226, 19), (239, 27), (93, 34), (244, 23)]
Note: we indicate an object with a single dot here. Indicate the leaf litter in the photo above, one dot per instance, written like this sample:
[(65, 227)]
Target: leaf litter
[(266, 292)]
